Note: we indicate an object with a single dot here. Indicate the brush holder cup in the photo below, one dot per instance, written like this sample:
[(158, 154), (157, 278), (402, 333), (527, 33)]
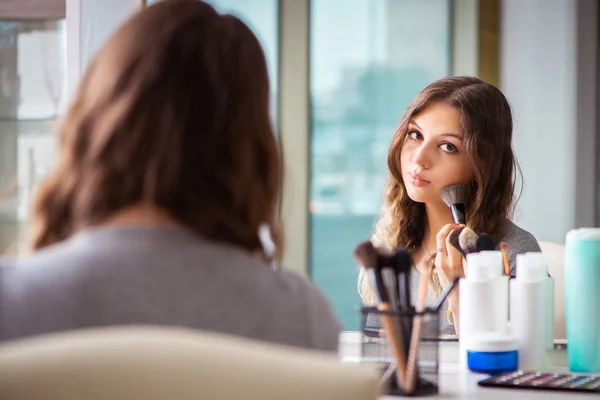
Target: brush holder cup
[(377, 348)]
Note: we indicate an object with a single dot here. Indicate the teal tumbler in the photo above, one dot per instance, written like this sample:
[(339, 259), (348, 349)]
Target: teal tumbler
[(582, 299)]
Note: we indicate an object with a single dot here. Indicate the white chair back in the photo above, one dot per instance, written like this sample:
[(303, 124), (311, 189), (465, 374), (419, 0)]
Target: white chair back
[(169, 363)]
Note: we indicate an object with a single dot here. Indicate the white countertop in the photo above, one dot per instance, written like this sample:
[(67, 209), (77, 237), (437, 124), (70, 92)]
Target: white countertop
[(458, 383)]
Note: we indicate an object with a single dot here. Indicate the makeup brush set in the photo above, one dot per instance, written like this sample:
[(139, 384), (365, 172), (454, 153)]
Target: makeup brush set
[(403, 323)]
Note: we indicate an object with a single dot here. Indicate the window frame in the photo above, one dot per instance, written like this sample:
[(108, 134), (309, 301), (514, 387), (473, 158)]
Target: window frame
[(24, 10)]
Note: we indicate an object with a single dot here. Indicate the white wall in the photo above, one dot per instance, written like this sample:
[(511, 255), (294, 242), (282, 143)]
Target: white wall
[(539, 77)]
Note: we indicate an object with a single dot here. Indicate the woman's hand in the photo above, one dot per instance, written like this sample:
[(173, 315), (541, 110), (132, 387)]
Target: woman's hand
[(449, 265), (448, 260)]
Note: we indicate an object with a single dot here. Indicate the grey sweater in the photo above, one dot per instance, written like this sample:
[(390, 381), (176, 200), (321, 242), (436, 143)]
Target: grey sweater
[(160, 276), (518, 241)]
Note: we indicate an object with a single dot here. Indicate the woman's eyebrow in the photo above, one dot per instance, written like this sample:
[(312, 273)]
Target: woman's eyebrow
[(413, 122), (450, 134), (454, 135)]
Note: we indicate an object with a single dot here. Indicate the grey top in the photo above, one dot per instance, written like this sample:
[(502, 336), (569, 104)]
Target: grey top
[(160, 276), (518, 241)]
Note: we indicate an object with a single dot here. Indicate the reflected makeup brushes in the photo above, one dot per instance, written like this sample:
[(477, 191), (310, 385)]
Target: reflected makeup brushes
[(455, 197), (453, 238), (504, 249), (466, 241), (485, 242)]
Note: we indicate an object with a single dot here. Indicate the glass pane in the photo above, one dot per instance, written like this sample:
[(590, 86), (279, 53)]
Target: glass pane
[(262, 16), (369, 58), (32, 91)]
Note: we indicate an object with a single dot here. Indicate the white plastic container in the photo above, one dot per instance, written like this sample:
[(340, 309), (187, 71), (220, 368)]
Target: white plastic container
[(492, 353), (496, 260), (483, 299), (530, 311), (541, 259)]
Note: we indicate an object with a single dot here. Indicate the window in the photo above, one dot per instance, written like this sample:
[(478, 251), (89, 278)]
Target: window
[(32, 90), (368, 59)]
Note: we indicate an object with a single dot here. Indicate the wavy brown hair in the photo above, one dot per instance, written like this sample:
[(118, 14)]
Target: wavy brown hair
[(172, 112), (487, 127)]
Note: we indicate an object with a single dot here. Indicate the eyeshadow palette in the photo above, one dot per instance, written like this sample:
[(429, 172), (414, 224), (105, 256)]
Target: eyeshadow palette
[(545, 381)]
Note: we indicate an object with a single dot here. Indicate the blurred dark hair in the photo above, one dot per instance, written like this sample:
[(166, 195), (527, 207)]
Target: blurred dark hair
[(173, 112)]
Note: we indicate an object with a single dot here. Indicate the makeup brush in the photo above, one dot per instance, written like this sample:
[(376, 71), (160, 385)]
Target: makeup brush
[(504, 249), (444, 294), (455, 197), (415, 337), (453, 238), (467, 239), (390, 282), (402, 263), (385, 262), (365, 254), (368, 257), (485, 242)]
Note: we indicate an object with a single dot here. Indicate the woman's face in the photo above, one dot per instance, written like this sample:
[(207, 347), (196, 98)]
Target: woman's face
[(433, 155)]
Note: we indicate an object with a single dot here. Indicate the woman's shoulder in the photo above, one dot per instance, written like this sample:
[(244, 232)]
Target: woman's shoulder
[(518, 238), (518, 241)]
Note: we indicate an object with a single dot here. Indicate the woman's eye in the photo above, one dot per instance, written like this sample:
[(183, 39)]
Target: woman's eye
[(448, 148), (415, 135)]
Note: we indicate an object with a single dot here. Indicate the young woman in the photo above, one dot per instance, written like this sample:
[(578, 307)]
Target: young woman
[(458, 130), (167, 169)]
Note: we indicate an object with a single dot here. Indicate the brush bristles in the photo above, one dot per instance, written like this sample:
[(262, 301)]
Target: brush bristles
[(485, 242), (403, 261), (366, 255), (385, 258), (468, 240), (454, 235), (455, 194)]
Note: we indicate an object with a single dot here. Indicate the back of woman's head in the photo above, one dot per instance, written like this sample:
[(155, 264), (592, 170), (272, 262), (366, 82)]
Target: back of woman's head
[(172, 112)]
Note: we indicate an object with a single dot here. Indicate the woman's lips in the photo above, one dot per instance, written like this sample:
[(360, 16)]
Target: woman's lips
[(416, 180)]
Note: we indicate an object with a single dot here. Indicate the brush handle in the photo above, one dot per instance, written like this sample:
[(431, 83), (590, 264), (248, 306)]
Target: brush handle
[(413, 354), (459, 214), (394, 336), (444, 294), (405, 307), (505, 262)]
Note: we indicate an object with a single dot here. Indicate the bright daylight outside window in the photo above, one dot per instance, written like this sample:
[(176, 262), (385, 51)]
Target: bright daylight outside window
[(369, 58), (32, 90)]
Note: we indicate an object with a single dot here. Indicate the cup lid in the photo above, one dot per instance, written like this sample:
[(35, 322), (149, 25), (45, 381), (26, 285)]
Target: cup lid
[(591, 234), (531, 267), (492, 342)]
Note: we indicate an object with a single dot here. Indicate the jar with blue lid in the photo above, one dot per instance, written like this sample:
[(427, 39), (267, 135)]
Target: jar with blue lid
[(492, 353)]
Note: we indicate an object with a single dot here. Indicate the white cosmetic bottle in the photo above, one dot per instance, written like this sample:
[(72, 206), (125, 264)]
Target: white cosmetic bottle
[(530, 311), (483, 299), (542, 260)]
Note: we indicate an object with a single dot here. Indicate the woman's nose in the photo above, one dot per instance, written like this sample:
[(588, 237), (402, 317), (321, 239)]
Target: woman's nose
[(421, 156)]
